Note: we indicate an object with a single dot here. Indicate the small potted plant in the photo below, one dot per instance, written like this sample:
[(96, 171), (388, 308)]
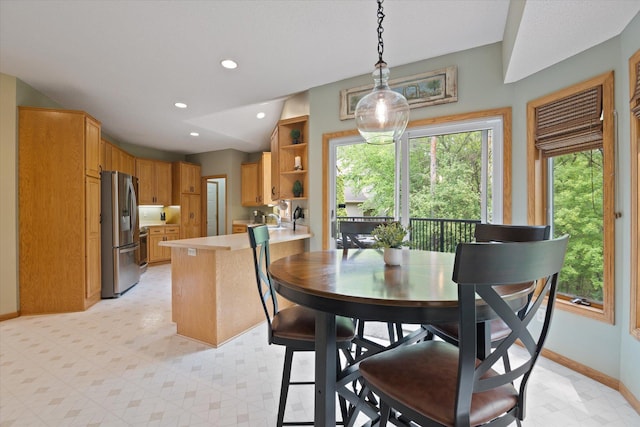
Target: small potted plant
[(297, 188), (295, 136), (391, 236)]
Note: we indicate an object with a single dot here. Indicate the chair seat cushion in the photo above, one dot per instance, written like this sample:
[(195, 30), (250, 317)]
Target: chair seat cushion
[(423, 377), (499, 329), (299, 323)]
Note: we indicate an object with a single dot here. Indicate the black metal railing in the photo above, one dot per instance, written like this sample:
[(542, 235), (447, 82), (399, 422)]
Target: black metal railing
[(441, 235), (363, 219), (429, 234)]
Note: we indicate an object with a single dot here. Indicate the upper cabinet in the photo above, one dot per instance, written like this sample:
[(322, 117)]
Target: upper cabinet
[(275, 166), (154, 182), (290, 158), (92, 147), (256, 182), (186, 179), (250, 178), (265, 171), (116, 159)]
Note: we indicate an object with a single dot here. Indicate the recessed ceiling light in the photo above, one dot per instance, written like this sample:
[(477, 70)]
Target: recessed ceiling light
[(229, 64), (180, 105), (194, 134), (260, 115)]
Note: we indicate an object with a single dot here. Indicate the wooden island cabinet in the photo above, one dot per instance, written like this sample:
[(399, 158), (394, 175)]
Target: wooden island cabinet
[(213, 284)]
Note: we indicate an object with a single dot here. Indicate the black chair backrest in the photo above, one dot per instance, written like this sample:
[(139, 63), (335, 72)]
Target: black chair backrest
[(511, 233), (259, 241), (478, 268), (350, 230)]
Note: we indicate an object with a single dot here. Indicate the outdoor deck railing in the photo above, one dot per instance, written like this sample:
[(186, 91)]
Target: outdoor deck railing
[(429, 234)]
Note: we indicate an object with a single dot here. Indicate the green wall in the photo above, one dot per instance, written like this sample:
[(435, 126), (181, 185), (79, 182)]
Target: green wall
[(8, 197), (151, 153), (629, 346), (226, 162)]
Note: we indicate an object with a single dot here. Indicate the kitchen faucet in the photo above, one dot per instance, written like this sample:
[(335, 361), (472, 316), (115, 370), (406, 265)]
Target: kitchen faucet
[(278, 219)]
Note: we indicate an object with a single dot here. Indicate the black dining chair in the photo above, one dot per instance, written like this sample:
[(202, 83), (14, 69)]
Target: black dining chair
[(292, 327), (353, 235), (511, 233), (437, 383), (496, 330)]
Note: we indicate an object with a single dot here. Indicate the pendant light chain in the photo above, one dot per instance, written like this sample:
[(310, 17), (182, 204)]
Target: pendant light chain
[(380, 31), (381, 115)]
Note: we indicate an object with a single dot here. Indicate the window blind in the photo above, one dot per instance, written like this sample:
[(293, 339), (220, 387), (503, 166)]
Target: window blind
[(636, 95), (570, 124)]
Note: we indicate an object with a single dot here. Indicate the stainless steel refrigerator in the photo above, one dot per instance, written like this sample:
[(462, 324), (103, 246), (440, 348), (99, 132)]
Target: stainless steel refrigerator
[(120, 233)]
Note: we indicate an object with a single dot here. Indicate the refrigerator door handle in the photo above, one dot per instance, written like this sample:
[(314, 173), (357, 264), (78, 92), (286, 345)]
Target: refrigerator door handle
[(130, 249), (134, 205)]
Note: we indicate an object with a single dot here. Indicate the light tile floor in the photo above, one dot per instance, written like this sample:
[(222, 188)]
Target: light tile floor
[(121, 363)]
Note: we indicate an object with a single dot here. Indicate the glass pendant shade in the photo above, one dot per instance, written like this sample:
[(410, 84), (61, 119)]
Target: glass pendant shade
[(382, 115)]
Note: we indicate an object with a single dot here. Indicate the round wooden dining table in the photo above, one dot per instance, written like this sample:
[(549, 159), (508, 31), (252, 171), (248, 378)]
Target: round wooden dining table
[(358, 284)]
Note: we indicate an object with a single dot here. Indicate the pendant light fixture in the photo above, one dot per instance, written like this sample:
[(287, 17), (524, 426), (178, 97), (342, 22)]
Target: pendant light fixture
[(382, 115)]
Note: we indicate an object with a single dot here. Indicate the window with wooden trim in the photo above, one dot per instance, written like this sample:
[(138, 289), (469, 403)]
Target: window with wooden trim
[(634, 107), (571, 187)]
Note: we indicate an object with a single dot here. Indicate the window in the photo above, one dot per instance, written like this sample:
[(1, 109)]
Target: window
[(634, 87), (451, 168), (575, 201), (449, 171), (571, 187)]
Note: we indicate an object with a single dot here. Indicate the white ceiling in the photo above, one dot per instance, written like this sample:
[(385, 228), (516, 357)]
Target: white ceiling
[(128, 62)]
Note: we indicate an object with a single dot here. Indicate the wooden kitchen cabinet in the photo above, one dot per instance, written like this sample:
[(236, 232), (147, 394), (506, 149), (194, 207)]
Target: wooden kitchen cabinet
[(275, 166), (190, 216), (154, 182), (59, 210), (186, 194), (161, 233), (93, 236), (116, 159), (239, 228), (256, 182), (156, 252), (250, 184), (284, 174), (265, 172), (126, 162), (92, 148), (187, 178)]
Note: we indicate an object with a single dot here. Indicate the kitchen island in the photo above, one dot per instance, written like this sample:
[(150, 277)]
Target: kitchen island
[(214, 295)]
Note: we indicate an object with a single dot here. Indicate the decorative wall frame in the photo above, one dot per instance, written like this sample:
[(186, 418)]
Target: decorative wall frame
[(430, 88)]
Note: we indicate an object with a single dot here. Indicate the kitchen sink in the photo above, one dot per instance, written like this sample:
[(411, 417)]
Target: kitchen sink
[(276, 227)]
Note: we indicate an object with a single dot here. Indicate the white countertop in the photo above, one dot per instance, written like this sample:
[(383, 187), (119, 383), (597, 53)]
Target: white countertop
[(233, 242)]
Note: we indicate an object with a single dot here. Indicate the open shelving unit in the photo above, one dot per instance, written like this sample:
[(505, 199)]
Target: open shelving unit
[(287, 152)]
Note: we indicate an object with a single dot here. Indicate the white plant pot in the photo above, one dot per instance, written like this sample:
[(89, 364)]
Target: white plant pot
[(392, 256)]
